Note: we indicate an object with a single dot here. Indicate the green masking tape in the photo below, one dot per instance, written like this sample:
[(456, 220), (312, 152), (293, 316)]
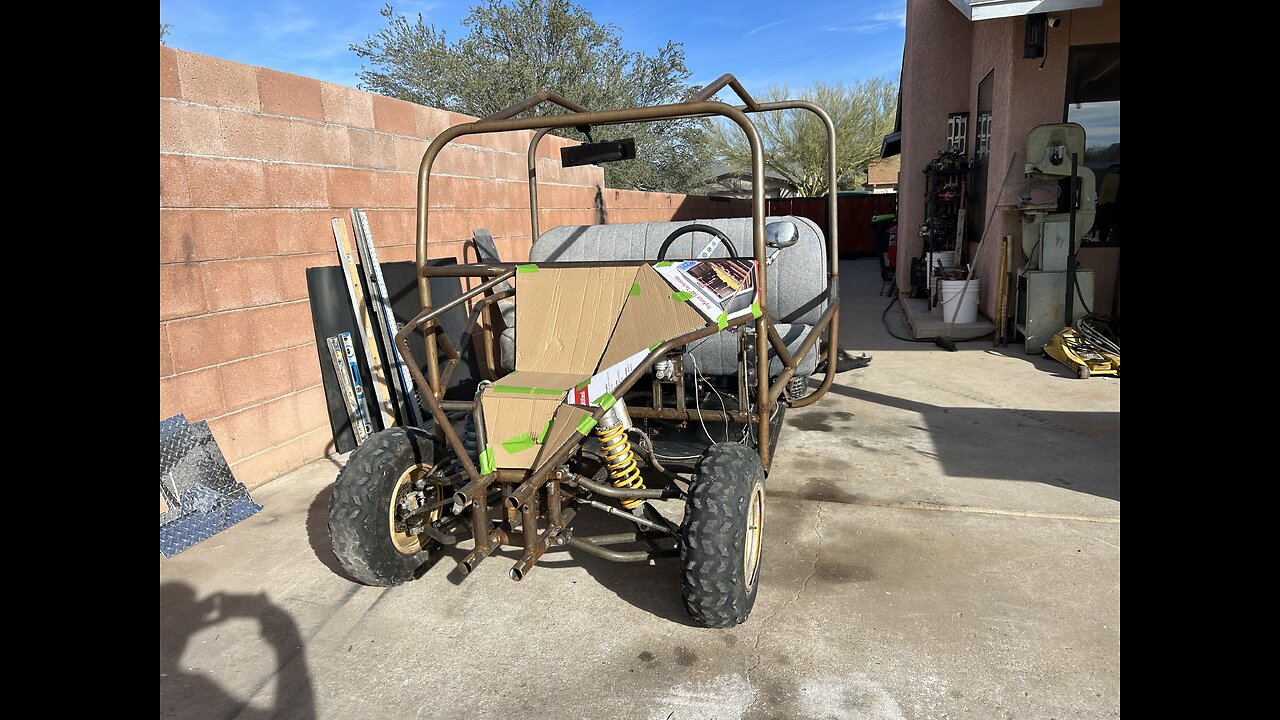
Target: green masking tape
[(486, 461), (722, 322), (664, 263), (582, 385), (654, 346), (635, 289), (585, 424), (525, 390), (542, 436), (518, 444), (681, 296), (522, 269), (755, 309), (606, 401)]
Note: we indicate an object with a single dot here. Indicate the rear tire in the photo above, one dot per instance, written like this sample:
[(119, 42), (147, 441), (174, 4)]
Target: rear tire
[(721, 536), (366, 496)]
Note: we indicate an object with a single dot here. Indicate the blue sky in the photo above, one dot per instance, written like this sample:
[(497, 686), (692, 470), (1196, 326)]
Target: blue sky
[(814, 41)]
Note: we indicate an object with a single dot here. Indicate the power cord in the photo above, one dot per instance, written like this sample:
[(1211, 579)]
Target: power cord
[(884, 318)]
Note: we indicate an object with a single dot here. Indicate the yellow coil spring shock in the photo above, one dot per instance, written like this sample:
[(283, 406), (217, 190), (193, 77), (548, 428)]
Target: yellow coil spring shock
[(621, 461)]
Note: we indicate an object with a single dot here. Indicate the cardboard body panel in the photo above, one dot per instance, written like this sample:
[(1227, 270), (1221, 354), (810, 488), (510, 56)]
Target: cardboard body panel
[(565, 316), (568, 421), (651, 315), (512, 425), (581, 331)]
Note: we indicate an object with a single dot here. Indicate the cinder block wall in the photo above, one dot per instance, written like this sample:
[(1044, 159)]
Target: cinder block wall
[(253, 164)]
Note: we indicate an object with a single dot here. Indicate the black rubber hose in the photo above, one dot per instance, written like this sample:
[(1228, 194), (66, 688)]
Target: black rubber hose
[(884, 317)]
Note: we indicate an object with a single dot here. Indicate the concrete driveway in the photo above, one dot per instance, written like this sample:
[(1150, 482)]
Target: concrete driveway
[(943, 542)]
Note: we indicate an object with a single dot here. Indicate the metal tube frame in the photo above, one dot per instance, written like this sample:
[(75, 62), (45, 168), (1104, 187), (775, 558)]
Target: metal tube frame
[(433, 383)]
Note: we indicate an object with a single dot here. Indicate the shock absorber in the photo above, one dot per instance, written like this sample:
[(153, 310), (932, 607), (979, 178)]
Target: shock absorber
[(468, 442), (611, 431)]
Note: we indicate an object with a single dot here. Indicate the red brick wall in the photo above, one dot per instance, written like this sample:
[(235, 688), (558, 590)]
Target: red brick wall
[(253, 164)]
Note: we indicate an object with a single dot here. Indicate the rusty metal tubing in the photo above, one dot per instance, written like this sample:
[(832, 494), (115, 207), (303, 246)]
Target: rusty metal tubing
[(620, 556), (833, 259), (468, 270), (531, 102), (468, 328), (718, 84), (433, 405), (431, 385), (494, 540), (451, 352), (643, 522), (553, 504), (611, 492), (481, 304), (824, 321), (781, 348), (473, 490), (607, 117), (508, 475), (829, 378), (533, 180), (615, 538), (540, 543), (529, 523), (832, 180), (428, 313), (429, 395), (538, 476)]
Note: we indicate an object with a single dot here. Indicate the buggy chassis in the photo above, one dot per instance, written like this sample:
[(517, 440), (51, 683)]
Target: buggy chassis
[(542, 501)]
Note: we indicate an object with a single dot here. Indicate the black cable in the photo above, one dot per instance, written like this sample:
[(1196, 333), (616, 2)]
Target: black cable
[(884, 317)]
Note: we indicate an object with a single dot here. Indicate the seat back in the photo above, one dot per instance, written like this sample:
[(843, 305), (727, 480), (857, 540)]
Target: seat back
[(797, 279)]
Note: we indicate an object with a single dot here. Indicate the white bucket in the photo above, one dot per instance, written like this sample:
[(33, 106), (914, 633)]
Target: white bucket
[(948, 258), (968, 305)]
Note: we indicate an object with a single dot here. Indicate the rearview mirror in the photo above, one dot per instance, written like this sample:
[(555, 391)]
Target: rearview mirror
[(596, 153), (780, 234)]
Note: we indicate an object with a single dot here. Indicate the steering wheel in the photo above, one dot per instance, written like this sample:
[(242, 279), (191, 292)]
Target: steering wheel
[(697, 227)]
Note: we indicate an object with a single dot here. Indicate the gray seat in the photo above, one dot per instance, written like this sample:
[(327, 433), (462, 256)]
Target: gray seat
[(796, 281)]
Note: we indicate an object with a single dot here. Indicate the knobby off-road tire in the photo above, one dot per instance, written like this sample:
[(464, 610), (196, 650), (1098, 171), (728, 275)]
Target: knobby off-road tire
[(360, 512), (721, 536)]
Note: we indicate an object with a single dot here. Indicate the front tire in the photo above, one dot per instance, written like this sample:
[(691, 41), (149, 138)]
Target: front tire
[(371, 492), (722, 536)]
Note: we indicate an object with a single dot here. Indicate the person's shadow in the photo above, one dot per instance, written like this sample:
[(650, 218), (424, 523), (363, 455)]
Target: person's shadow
[(187, 692)]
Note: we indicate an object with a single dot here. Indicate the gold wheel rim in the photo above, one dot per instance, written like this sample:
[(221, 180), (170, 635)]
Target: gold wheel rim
[(404, 542), (755, 536)]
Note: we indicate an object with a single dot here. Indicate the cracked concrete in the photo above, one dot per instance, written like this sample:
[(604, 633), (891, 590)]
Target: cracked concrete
[(942, 541)]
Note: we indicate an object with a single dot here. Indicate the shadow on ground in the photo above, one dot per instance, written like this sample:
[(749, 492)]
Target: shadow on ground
[(190, 692), (318, 532), (652, 587), (1045, 446)]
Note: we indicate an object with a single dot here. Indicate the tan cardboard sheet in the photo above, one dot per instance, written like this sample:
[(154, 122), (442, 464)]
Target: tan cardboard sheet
[(512, 424), (564, 316), (649, 316), (568, 421)]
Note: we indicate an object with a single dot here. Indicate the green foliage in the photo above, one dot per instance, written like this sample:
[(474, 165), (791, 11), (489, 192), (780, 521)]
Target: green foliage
[(795, 141), (164, 30), (515, 48)]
